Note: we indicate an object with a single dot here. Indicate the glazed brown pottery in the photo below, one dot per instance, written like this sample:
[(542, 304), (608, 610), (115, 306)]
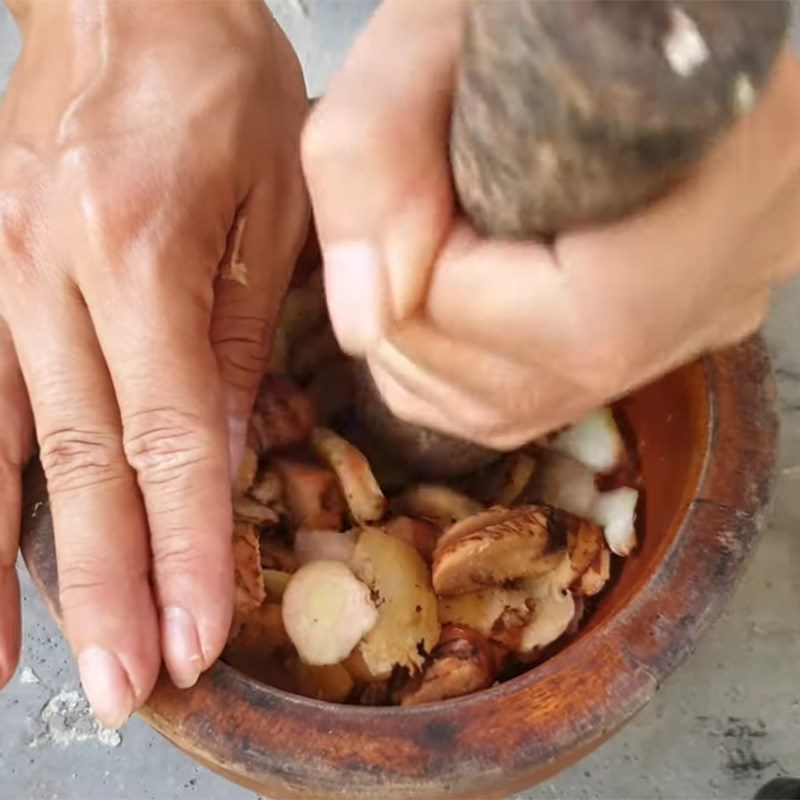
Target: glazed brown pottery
[(706, 437)]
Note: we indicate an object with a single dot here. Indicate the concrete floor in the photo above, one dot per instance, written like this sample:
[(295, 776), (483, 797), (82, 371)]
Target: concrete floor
[(726, 722)]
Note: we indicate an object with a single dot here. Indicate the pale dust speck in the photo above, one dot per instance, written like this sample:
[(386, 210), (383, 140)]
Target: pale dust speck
[(684, 46)]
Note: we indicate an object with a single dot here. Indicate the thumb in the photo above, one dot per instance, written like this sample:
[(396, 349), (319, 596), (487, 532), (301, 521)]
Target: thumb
[(375, 154), (263, 245)]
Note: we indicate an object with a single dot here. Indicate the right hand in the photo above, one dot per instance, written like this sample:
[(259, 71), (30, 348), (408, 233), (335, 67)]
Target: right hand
[(499, 341), (143, 146)]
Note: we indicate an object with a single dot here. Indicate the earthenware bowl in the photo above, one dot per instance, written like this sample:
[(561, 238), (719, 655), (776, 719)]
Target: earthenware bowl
[(706, 437)]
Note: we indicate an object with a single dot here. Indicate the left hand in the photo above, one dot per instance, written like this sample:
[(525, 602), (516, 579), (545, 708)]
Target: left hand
[(147, 150)]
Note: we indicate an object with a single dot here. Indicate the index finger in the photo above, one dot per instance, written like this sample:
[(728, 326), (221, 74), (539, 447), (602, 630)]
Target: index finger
[(380, 135)]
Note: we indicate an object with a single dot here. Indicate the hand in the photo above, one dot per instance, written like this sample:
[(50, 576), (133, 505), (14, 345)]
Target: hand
[(499, 342), (151, 209)]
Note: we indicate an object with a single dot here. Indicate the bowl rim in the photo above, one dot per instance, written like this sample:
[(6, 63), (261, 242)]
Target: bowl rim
[(453, 747)]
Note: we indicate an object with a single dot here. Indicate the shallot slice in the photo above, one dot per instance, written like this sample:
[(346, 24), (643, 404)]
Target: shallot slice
[(440, 503)]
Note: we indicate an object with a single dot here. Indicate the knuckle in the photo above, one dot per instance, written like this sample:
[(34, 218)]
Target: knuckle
[(84, 581), (242, 350), (117, 200), (161, 444), (239, 328), (15, 223), (80, 160), (242, 366), (74, 458), (178, 552), (120, 221), (82, 165)]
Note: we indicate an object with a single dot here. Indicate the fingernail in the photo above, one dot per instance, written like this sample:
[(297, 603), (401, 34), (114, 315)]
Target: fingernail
[(358, 295), (106, 685), (237, 439), (181, 642)]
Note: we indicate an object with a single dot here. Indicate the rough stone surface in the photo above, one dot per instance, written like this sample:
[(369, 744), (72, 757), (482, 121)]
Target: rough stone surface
[(726, 722)]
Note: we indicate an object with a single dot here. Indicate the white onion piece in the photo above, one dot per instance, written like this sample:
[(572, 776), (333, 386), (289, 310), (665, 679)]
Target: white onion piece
[(321, 545), (594, 441), (615, 511), (552, 616), (567, 484)]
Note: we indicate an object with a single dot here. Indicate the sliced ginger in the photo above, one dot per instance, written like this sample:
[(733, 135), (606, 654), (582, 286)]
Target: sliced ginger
[(362, 492), (481, 610), (435, 502), (504, 482), (519, 545), (267, 489), (311, 544), (408, 625), (283, 416), (247, 509), (461, 663), (550, 618), (249, 590), (419, 534), (275, 583), (312, 495), (331, 682), (326, 612), (247, 472), (590, 559), (524, 619)]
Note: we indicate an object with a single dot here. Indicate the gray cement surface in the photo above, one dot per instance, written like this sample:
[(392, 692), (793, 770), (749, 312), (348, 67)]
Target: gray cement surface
[(724, 723)]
